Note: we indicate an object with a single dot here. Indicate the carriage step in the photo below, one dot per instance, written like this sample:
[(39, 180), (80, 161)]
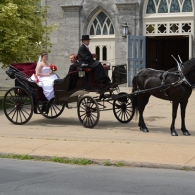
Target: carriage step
[(116, 97)]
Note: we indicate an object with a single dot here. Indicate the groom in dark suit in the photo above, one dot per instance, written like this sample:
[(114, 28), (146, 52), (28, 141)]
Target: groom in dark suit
[(85, 57)]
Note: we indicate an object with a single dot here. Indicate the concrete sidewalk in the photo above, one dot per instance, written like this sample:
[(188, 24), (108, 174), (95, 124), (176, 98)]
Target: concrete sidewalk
[(109, 140)]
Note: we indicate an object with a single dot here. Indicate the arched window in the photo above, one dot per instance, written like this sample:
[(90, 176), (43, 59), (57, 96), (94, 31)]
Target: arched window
[(169, 6), (102, 25)]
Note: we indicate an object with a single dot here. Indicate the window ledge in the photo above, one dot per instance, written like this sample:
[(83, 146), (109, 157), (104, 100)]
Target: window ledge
[(71, 7)]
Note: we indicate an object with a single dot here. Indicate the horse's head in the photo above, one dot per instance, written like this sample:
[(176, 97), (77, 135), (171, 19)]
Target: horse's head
[(189, 70)]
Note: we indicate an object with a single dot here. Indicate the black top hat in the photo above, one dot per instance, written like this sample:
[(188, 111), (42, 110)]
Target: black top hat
[(85, 37)]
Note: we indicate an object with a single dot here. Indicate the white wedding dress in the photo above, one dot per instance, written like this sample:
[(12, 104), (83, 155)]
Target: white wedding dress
[(46, 82)]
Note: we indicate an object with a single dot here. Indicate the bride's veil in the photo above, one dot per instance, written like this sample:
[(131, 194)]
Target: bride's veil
[(39, 60), (34, 76)]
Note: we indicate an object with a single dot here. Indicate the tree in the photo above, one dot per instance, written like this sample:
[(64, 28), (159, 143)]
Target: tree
[(23, 31)]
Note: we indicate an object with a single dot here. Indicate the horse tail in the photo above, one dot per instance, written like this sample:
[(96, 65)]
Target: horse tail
[(135, 88)]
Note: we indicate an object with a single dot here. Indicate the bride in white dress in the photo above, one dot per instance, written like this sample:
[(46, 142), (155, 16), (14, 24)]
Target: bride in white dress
[(45, 76)]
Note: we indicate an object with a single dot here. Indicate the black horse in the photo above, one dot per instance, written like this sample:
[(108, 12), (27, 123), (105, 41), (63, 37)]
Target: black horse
[(173, 85)]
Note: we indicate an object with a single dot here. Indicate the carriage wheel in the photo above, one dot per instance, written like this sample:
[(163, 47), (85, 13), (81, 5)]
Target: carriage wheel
[(123, 108), (88, 112), (54, 109), (18, 105)]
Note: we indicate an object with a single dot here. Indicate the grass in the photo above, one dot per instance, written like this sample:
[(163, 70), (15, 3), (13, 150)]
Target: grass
[(119, 164), (107, 163), (76, 161)]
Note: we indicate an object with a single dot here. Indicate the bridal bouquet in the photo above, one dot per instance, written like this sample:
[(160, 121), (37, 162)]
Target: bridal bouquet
[(53, 67)]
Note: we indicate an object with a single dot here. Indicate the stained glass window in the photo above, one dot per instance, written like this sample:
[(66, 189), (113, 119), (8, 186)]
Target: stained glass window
[(92, 30), (151, 7), (102, 25), (111, 30), (157, 2), (163, 8), (105, 30), (175, 6), (98, 30), (187, 7), (101, 17), (95, 22), (108, 21)]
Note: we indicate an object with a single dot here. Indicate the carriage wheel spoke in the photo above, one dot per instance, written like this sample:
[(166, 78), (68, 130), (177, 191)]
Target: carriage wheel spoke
[(88, 112), (18, 105), (123, 108)]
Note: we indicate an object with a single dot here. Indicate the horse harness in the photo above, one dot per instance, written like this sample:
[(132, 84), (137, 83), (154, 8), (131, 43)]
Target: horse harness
[(181, 80)]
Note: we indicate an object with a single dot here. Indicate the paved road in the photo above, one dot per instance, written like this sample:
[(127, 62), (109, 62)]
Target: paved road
[(110, 140), (28, 177)]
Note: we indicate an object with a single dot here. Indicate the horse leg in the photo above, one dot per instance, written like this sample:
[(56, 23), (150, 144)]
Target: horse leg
[(183, 111), (174, 115), (142, 101)]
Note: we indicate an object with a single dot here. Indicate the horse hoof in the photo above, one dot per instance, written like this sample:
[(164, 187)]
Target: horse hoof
[(145, 130), (174, 134), (186, 133)]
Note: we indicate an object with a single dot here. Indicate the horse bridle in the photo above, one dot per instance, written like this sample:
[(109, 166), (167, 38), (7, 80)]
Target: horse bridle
[(181, 73)]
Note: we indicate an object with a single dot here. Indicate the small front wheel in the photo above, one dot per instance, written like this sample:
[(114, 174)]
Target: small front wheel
[(123, 108), (88, 112), (18, 105)]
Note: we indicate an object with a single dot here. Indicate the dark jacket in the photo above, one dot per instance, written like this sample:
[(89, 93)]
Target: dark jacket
[(74, 66), (85, 57)]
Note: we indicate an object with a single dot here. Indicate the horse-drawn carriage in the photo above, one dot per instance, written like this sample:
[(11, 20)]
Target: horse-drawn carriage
[(26, 98)]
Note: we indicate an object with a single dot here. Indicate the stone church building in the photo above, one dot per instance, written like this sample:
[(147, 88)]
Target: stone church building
[(139, 33)]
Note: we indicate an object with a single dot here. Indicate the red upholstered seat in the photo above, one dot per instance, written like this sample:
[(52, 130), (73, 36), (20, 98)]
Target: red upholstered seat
[(88, 69), (106, 67), (26, 68)]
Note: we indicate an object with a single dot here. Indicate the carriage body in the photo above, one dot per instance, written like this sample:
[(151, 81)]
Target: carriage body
[(70, 89)]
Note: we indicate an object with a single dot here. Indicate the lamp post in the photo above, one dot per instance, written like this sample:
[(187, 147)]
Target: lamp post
[(125, 30)]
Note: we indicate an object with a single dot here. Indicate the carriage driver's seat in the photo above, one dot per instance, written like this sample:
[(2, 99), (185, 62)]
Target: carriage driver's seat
[(86, 68)]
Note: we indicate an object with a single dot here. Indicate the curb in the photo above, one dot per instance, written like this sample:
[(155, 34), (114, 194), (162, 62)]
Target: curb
[(101, 162)]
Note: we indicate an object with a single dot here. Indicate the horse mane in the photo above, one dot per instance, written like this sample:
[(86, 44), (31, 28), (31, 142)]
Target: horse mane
[(188, 66)]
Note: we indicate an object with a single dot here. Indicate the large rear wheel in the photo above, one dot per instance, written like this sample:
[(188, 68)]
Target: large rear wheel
[(123, 108), (18, 105), (88, 112)]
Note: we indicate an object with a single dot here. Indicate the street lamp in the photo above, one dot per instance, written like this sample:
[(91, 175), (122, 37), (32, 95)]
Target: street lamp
[(125, 30)]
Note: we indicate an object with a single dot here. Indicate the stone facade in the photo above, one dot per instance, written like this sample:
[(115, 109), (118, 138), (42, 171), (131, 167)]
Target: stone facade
[(73, 18)]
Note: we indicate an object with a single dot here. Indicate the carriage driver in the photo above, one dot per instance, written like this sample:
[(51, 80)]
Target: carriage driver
[(85, 57)]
